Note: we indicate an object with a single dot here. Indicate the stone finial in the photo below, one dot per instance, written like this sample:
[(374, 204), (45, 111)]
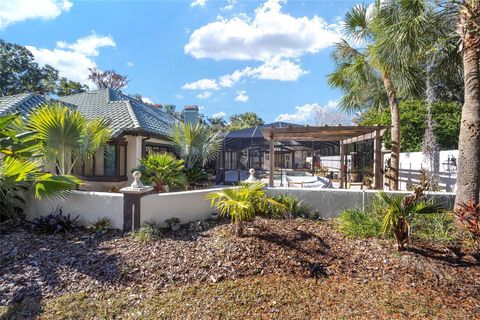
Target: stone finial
[(136, 182), (251, 178)]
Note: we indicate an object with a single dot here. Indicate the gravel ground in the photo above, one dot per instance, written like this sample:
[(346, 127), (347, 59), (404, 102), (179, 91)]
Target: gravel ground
[(40, 266)]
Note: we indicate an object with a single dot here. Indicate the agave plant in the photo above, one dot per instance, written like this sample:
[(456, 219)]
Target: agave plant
[(21, 170), (195, 175), (242, 203), (162, 169), (401, 211), (66, 137)]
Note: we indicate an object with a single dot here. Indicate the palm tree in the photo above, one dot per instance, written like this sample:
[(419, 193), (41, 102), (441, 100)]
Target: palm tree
[(401, 211), (365, 79), (164, 170), (66, 137), (468, 177), (386, 61), (196, 143), (243, 203), (21, 171)]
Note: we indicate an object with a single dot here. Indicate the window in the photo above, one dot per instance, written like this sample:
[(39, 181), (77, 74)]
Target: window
[(109, 164)]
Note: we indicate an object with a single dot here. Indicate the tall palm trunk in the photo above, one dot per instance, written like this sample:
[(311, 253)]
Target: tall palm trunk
[(468, 178), (395, 118)]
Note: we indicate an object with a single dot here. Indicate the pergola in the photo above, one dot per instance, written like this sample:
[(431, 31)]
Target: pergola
[(340, 134)]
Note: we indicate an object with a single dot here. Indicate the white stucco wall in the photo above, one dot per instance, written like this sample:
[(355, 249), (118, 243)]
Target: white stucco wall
[(331, 202), (186, 206), (90, 206)]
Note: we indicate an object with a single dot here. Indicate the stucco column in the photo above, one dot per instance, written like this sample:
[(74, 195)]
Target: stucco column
[(131, 202)]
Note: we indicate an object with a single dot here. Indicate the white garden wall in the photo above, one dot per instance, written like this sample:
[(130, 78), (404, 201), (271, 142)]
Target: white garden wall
[(186, 206), (331, 202), (89, 206)]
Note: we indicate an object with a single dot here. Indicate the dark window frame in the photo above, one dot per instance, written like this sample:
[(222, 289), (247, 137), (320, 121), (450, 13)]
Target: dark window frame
[(115, 178)]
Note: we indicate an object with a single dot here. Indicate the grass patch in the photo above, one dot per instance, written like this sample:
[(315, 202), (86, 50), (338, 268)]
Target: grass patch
[(436, 226), (357, 224), (431, 227), (259, 297)]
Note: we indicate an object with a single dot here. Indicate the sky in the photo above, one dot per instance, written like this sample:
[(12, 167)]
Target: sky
[(270, 57)]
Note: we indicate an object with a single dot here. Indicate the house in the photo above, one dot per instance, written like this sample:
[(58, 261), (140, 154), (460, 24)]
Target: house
[(137, 129)]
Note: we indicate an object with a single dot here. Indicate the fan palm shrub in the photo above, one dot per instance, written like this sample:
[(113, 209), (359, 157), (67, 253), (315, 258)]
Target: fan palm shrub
[(66, 137), (161, 170), (21, 170), (196, 144), (400, 213), (242, 203)]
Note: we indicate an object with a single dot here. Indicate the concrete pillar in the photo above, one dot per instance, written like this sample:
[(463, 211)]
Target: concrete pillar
[(131, 202)]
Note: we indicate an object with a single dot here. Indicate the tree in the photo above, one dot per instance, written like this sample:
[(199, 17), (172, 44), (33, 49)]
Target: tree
[(413, 115), (108, 79), (66, 137), (196, 143), (21, 171), (468, 177), (244, 120), (67, 87), (387, 62), (20, 73), (216, 123)]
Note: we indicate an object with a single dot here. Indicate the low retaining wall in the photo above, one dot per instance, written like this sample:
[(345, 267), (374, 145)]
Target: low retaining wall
[(193, 205), (331, 202), (89, 206), (186, 206)]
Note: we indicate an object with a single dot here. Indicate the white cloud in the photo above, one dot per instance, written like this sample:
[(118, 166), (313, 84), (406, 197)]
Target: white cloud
[(130, 64), (242, 96), (204, 95), (220, 114), (204, 84), (270, 33), (196, 3), (230, 5), (275, 69), (88, 45), (279, 69), (178, 96), (73, 60), (316, 114), (147, 100), (12, 11)]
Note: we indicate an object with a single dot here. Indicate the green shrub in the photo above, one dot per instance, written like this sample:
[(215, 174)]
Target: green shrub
[(357, 224), (242, 203), (436, 226), (101, 225), (146, 233), (292, 208)]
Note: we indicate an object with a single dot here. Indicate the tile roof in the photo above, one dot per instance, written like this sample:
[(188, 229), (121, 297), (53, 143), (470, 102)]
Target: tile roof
[(127, 114), (24, 103)]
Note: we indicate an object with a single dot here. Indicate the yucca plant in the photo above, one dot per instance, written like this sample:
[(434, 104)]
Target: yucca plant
[(400, 213), (162, 169), (66, 137), (242, 203)]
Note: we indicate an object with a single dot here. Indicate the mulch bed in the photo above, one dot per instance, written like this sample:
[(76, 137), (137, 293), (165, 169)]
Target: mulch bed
[(33, 265)]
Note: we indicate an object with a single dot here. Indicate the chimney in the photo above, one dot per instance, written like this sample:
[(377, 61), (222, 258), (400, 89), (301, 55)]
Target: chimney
[(190, 114)]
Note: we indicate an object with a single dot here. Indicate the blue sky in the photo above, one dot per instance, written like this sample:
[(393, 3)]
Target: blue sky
[(227, 57)]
